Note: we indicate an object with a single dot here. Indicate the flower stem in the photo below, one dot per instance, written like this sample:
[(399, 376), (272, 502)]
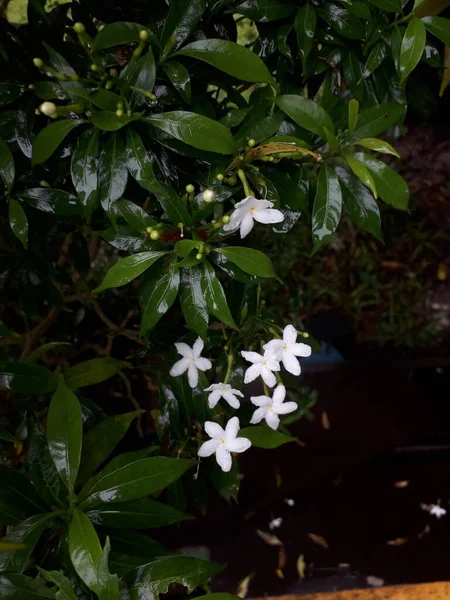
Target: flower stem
[(229, 366), (244, 181)]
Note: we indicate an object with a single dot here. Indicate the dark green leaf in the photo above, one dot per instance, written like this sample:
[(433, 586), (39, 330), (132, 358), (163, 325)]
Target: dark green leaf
[(118, 34), (138, 162), (438, 26), (8, 93), (40, 350), (66, 591), (108, 584), (93, 371), (392, 188), (136, 544), (101, 98), (362, 173), (6, 436), (83, 168), (20, 587), (50, 90), (265, 10), (18, 499), (55, 202), (138, 514), (28, 533), (18, 221), (124, 238), (305, 27), (413, 44), (112, 171), (49, 138), (353, 110), (259, 125), (181, 21), (231, 58), (24, 121), (135, 216), (378, 146), (42, 470), (109, 121), (306, 113), (128, 269), (141, 75), (193, 301), (26, 378), (265, 437), (375, 58), (226, 484), (7, 167), (342, 21), (64, 433), (169, 413), (215, 296), (159, 290), (249, 260), (377, 119), (179, 78), (388, 5), (327, 206), (85, 550)]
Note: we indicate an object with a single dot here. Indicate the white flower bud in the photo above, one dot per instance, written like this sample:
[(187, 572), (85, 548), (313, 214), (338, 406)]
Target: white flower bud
[(48, 109), (209, 196)]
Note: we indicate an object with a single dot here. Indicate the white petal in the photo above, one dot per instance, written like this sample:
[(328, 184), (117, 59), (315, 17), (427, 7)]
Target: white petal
[(180, 367), (272, 419), (197, 347), (262, 204), (236, 392), (268, 215), (272, 362), (252, 357), (267, 376), (260, 400), (259, 415), (231, 399), (285, 408), (274, 347), (252, 373), (301, 350), (290, 363), (193, 376), (214, 430), (183, 349), (223, 458), (212, 387), (235, 220), (232, 428), (238, 445), (290, 334), (279, 394), (203, 363), (208, 448), (246, 225), (246, 204), (214, 398)]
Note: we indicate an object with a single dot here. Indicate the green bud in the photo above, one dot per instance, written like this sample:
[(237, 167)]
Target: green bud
[(199, 256), (220, 177), (113, 72), (79, 28), (180, 225), (38, 62), (213, 222), (225, 219), (149, 229), (271, 159), (251, 142), (155, 235), (217, 225), (94, 67), (119, 113), (190, 188), (143, 35), (75, 77)]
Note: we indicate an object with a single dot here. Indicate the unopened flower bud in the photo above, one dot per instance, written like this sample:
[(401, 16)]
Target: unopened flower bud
[(149, 229), (38, 62), (209, 196), (180, 225), (119, 113), (48, 109), (190, 188), (219, 177), (143, 35), (199, 256), (94, 67), (251, 142), (155, 235), (225, 219), (113, 72)]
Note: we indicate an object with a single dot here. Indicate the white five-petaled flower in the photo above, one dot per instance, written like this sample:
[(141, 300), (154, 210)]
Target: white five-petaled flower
[(223, 442), (437, 511), (225, 391), (270, 408), (263, 365), (191, 362), (287, 350), (249, 210)]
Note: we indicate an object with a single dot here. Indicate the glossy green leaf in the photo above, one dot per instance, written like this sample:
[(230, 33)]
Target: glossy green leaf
[(392, 188), (49, 138), (377, 119), (7, 167), (305, 27), (83, 169), (179, 78), (26, 378), (359, 203), (18, 499), (128, 269), (50, 90), (438, 26), (28, 533), (109, 121), (154, 578), (135, 216), (306, 113), (226, 484), (24, 121), (411, 49), (120, 33), (215, 296), (100, 441), (18, 221), (388, 5), (108, 583), (65, 591), (195, 130), (42, 470), (136, 544), (137, 514), (230, 58), (193, 301), (362, 173), (327, 206), (40, 350), (112, 171), (169, 417), (6, 436), (140, 75), (249, 260), (259, 125), (159, 290), (378, 146), (265, 10), (64, 433), (353, 111), (85, 550), (375, 58), (138, 162), (181, 21), (342, 21), (8, 93), (21, 587), (93, 371), (55, 202), (265, 437), (100, 98), (136, 480), (124, 237)]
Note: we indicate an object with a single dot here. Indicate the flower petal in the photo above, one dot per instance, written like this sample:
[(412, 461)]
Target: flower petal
[(290, 363), (238, 445), (236, 392), (252, 357), (290, 334), (260, 400), (235, 220), (203, 363), (208, 448), (197, 347), (211, 388), (183, 349), (274, 347), (193, 376), (262, 204), (231, 399), (246, 225), (180, 367), (279, 394), (272, 419), (246, 204), (259, 415), (214, 398), (272, 362), (285, 408), (252, 373), (267, 376), (214, 430), (232, 428), (268, 215), (223, 458), (301, 350)]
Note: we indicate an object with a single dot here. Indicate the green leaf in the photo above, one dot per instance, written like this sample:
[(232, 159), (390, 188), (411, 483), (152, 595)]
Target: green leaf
[(342, 21), (392, 188), (83, 169), (377, 119), (85, 550), (259, 125), (362, 173), (155, 577), (375, 58), (135, 216), (265, 437), (65, 591), (137, 514), (8, 93), (28, 533), (18, 498), (265, 10), (388, 5), (305, 27), (40, 350), (327, 207), (226, 484), (438, 26), (109, 584), (7, 167), (159, 290), (55, 202), (179, 78), (49, 138), (140, 74), (195, 130), (93, 371), (49, 90), (139, 164), (112, 171), (231, 58), (18, 221), (136, 480), (64, 433), (42, 470), (193, 302), (181, 21), (118, 34), (24, 118), (353, 110), (109, 121), (26, 378), (100, 98), (249, 260), (306, 113), (20, 587), (128, 269), (6, 436), (378, 146), (412, 47), (215, 296), (100, 441)]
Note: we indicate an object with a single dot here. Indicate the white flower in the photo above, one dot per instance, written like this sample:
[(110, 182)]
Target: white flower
[(223, 442), (437, 511), (225, 391), (289, 501), (270, 408), (249, 210), (191, 362), (275, 523), (287, 350), (262, 366)]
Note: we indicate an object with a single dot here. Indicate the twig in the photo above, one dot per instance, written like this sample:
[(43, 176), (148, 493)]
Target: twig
[(116, 328), (133, 401), (33, 336)]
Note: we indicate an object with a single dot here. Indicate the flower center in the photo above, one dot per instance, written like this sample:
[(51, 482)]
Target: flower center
[(223, 442), (270, 406), (284, 348), (252, 210)]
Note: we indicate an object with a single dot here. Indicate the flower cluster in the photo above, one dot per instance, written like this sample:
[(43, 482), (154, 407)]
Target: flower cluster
[(225, 441)]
